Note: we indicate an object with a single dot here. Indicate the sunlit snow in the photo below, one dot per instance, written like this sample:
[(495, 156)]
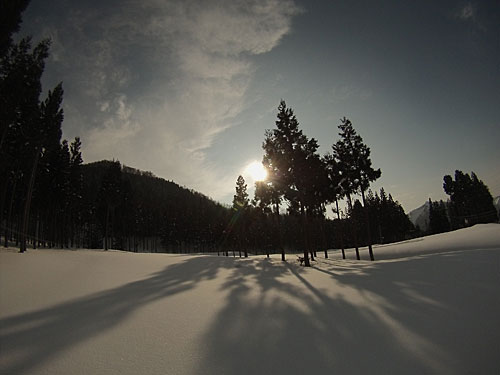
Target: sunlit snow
[(431, 306)]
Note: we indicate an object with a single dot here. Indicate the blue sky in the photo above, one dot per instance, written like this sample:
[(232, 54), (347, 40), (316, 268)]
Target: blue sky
[(186, 89)]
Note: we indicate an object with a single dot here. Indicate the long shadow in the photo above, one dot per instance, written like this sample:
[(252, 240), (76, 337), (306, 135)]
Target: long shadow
[(29, 339), (405, 316), (393, 317), (450, 300), (294, 330)]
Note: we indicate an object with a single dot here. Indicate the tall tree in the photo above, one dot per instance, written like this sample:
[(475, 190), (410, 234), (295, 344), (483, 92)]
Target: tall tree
[(353, 156), (76, 187), (438, 218), (240, 199), (335, 190), (21, 127), (240, 207), (49, 123), (110, 197), (293, 164), (10, 21)]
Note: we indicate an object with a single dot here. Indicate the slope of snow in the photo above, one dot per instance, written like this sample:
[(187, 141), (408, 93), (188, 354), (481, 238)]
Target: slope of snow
[(478, 237), (94, 312)]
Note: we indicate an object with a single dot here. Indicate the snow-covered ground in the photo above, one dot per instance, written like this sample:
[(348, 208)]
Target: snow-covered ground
[(431, 307)]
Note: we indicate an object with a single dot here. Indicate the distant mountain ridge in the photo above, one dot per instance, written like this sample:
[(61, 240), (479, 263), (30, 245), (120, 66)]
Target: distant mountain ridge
[(420, 216), (496, 203)]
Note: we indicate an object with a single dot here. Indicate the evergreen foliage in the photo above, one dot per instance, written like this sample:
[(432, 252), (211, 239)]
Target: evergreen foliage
[(438, 217), (48, 197), (240, 200), (10, 21), (296, 171), (353, 163), (470, 200)]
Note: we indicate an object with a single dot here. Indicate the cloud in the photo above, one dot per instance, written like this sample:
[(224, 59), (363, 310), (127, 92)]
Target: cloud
[(347, 92), (153, 83), (468, 13)]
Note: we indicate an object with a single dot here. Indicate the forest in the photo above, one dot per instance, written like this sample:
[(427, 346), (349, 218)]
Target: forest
[(50, 198)]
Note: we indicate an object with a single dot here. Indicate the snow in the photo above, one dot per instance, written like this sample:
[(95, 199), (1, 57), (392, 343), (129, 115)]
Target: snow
[(425, 306)]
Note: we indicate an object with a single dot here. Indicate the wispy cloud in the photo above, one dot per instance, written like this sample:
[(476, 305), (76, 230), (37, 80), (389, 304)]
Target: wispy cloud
[(153, 83), (347, 92), (468, 12)]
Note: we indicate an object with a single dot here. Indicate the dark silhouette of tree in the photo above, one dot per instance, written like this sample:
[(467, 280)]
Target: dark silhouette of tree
[(355, 166), (110, 195), (32, 157), (240, 199), (343, 153), (21, 127), (335, 191), (438, 218), (10, 21), (76, 190), (293, 164), (49, 123), (240, 208), (470, 200), (387, 217)]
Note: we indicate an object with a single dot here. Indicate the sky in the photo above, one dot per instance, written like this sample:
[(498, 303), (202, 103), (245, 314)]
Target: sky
[(186, 89)]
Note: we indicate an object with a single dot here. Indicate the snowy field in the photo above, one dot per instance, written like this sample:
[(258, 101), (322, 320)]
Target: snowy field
[(427, 306)]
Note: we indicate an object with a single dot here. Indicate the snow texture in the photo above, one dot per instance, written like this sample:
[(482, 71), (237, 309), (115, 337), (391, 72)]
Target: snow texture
[(431, 307)]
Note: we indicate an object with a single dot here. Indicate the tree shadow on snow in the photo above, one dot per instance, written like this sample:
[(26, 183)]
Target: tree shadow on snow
[(405, 316), (29, 339)]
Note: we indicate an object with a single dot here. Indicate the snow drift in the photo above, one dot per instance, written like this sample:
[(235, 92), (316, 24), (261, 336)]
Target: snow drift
[(432, 307)]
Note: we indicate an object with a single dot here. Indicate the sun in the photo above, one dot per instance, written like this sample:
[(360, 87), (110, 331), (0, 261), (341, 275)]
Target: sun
[(256, 171)]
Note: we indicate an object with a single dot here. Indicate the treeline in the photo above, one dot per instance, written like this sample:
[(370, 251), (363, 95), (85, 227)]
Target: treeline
[(307, 183), (119, 207), (470, 203), (49, 198), (39, 171)]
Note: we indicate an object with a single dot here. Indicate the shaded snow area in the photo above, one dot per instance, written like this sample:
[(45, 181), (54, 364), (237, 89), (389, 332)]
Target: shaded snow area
[(431, 309)]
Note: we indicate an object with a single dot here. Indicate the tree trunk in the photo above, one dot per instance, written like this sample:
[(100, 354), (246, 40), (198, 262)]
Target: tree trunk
[(340, 227), (278, 226), (2, 205), (106, 228), (8, 221), (353, 229), (304, 236), (368, 229), (27, 203), (37, 228)]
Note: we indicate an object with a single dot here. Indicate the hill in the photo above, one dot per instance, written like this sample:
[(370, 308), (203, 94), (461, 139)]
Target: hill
[(147, 213)]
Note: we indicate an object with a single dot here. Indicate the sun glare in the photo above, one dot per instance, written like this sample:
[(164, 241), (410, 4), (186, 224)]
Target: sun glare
[(256, 171)]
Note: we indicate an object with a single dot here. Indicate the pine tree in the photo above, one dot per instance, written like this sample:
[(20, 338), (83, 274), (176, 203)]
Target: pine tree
[(76, 187), (240, 207), (10, 21), (470, 200), (110, 197), (294, 166), (335, 190), (438, 218), (353, 157), (240, 199), (49, 123)]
